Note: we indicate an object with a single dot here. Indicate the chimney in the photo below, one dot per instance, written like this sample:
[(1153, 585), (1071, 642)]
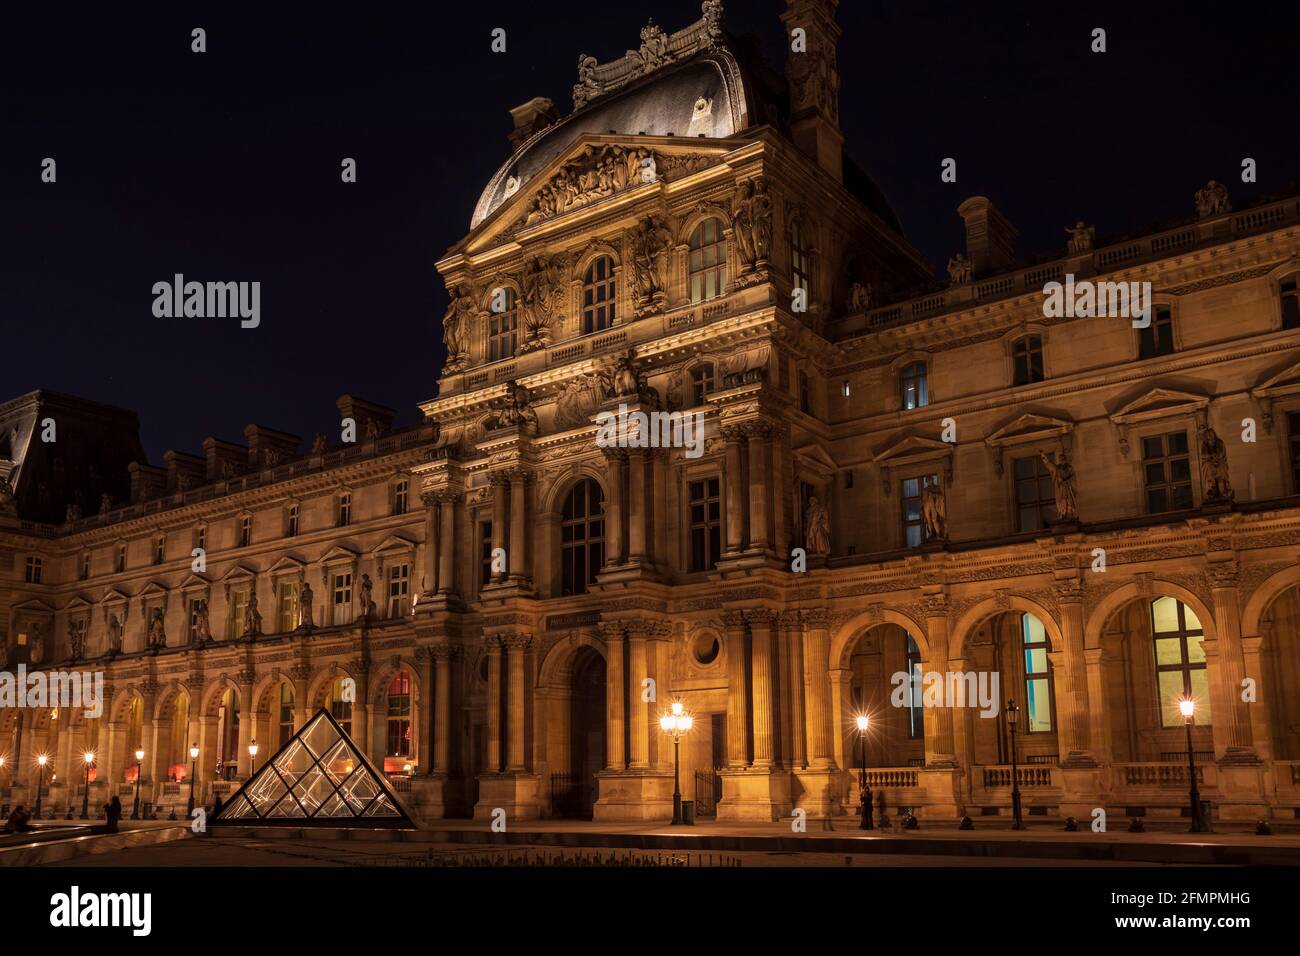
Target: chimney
[(990, 237), (225, 459), (812, 72), (184, 470), (267, 447), (531, 117), (363, 413), (147, 481)]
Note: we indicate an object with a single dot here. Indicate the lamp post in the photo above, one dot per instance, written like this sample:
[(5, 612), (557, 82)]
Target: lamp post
[(676, 723), (139, 763), (89, 758), (864, 793), (40, 781), (1187, 707), (252, 759), (194, 763), (1013, 718)]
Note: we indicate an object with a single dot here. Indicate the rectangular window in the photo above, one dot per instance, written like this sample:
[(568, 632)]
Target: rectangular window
[(201, 538), (503, 323), (345, 509), (238, 605), (914, 385), (33, 575), (485, 551), (805, 394), (1180, 660), (1038, 697), (85, 566), (400, 492), (245, 531), (705, 524), (1035, 494), (1290, 304), (120, 564), (1167, 472), (1027, 358), (159, 550), (399, 590), (288, 606), (1158, 338), (291, 525), (342, 600), (914, 533), (196, 604)]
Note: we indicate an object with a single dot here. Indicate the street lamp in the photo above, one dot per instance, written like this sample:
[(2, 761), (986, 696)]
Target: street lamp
[(252, 759), (1013, 716), (194, 762), (139, 763), (85, 793), (677, 722), (1187, 707), (40, 781), (864, 793)]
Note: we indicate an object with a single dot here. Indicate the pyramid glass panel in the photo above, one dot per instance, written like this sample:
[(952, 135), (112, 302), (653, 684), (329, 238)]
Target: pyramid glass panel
[(318, 777)]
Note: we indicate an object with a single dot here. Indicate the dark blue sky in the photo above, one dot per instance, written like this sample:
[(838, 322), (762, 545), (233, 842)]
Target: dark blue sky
[(225, 166)]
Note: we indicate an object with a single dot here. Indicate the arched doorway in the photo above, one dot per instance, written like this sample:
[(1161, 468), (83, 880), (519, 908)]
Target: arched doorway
[(882, 662), (1279, 655), (577, 745)]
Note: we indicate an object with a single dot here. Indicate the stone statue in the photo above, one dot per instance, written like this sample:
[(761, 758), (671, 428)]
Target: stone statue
[(859, 298), (516, 410), (1063, 479), (105, 503), (77, 638), (649, 243), (960, 270), (540, 281), (762, 222), (712, 10), (372, 430), (36, 649), (114, 636), (578, 401), (1212, 200), (587, 88), (934, 511), (367, 602), (818, 522), (156, 634), (305, 598), (202, 623), (1080, 238), (1214, 469), (742, 225), (320, 445), (456, 324), (8, 504), (73, 513), (252, 617)]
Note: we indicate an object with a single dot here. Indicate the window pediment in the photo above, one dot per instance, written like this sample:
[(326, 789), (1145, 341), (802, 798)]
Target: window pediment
[(1160, 403), (1028, 427)]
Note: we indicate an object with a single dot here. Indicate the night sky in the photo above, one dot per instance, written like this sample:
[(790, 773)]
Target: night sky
[(224, 166)]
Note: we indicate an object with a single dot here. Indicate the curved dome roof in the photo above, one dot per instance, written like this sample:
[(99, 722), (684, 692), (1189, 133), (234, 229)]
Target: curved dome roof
[(705, 96)]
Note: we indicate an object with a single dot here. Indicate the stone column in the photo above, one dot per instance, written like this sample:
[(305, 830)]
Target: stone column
[(817, 686), (1072, 680), (361, 726), (638, 671), (302, 712), (792, 626), (500, 506), (424, 714), (759, 484), (207, 762), (442, 656), (735, 490), (760, 630), (612, 631), (431, 549), (939, 745), (247, 718), (517, 559), (1098, 729), (447, 542), (637, 505), (737, 691), (493, 643), (1260, 732), (1231, 722), (614, 458), (516, 717)]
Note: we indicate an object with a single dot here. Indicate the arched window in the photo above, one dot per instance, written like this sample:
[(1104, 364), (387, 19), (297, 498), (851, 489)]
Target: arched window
[(582, 536), (1038, 682), (502, 325), (399, 715), (598, 300), (229, 756), (915, 389), (707, 270), (800, 259), (915, 700), (1290, 302), (1027, 360), (1157, 338), (340, 709), (1180, 660), (286, 712), (702, 383), (134, 734)]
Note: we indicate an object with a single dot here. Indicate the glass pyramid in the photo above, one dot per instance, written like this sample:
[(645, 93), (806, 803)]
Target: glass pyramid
[(318, 778)]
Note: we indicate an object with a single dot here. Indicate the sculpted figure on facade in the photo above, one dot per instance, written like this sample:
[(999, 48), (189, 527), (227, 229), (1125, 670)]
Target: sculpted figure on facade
[(77, 638), (1212, 200), (596, 173), (752, 225), (156, 634), (579, 400), (649, 243), (202, 623), (960, 270), (319, 445), (541, 282), (1064, 483), (934, 511), (252, 617), (515, 409), (367, 599), (1080, 237), (305, 598), (114, 643), (654, 48), (36, 645), (818, 522), (859, 298), (1214, 468), (105, 503), (587, 87), (8, 503), (456, 325)]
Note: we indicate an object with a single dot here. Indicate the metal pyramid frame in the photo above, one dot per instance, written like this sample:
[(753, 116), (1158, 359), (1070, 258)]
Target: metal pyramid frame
[(318, 778)]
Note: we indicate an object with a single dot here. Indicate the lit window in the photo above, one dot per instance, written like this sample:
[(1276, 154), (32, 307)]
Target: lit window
[(598, 295), (702, 383), (914, 531), (286, 713), (503, 326), (1167, 472), (340, 709), (342, 598), (1158, 338), (399, 715), (1027, 359), (705, 524), (707, 266), (399, 590), (1038, 690), (238, 605), (1180, 660), (288, 606), (916, 391)]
